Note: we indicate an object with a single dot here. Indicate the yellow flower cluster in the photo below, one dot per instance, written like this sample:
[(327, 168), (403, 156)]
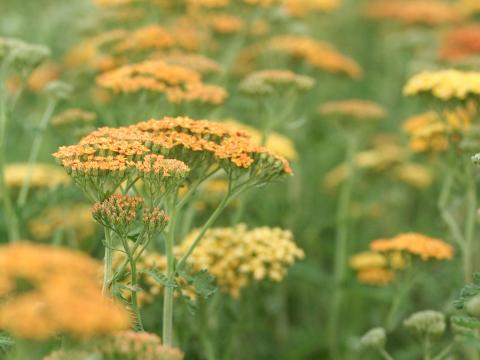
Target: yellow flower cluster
[(46, 291), (377, 269), (178, 83), (432, 132), (42, 175), (444, 84), (237, 256), (416, 244), (470, 6), (75, 221)]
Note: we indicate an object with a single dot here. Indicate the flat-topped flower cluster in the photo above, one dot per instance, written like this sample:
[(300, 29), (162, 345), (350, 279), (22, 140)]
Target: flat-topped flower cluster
[(169, 147)]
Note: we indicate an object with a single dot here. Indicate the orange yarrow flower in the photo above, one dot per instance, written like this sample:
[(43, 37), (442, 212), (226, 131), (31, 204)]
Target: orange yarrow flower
[(416, 244)]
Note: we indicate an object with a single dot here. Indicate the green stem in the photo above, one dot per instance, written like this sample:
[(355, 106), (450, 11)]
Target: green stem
[(385, 354), (134, 283), (400, 296), (341, 247), (10, 214), (169, 291), (213, 217), (34, 151), (107, 261), (427, 348), (470, 252), (443, 207), (444, 352)]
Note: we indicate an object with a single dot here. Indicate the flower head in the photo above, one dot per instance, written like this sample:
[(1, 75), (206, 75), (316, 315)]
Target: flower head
[(416, 244), (51, 291), (237, 256), (444, 85), (179, 84), (117, 211), (423, 12), (317, 54)]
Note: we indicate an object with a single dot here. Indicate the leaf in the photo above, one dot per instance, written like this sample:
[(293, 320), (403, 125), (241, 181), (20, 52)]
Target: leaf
[(6, 342), (191, 305), (466, 322), (160, 278), (204, 284)]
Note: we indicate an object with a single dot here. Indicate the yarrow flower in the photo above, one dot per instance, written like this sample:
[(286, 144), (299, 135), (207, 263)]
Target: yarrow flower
[(47, 291), (444, 85), (416, 244), (434, 132), (423, 12), (117, 211), (318, 54), (237, 256), (145, 38), (90, 53), (41, 176), (460, 44), (178, 83), (302, 8), (106, 158), (373, 268)]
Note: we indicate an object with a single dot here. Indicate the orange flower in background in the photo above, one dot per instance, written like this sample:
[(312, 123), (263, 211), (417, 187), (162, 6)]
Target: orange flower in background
[(146, 38), (224, 23), (50, 291), (318, 54), (42, 75), (89, 52), (178, 83), (433, 132), (376, 276), (305, 7), (461, 43), (416, 244), (424, 12)]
